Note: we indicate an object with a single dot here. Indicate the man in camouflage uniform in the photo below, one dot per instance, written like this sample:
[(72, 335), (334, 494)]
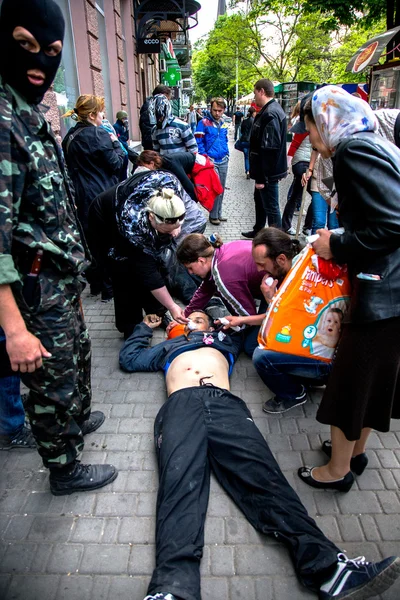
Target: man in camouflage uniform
[(42, 253)]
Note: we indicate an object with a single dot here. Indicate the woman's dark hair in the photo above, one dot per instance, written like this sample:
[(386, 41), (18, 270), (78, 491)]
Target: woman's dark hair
[(148, 156), (196, 245), (307, 110), (277, 242), (251, 111)]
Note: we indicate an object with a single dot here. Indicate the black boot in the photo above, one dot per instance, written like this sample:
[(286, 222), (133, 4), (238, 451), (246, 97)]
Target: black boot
[(80, 478), (95, 421)]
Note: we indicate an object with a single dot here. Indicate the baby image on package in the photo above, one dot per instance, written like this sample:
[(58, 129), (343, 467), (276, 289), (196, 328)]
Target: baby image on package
[(306, 315)]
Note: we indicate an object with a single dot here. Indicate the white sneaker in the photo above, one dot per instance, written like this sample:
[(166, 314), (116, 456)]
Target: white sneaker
[(291, 231)]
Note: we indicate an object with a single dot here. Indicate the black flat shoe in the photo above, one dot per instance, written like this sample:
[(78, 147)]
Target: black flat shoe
[(343, 484), (95, 421), (358, 463)]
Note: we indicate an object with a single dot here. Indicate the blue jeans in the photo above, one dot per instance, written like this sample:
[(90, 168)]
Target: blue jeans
[(222, 170), (322, 214), (193, 127), (270, 200), (284, 374), (12, 413), (246, 153)]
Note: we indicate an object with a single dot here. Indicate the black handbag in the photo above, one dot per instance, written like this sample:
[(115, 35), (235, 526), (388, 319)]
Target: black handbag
[(238, 145)]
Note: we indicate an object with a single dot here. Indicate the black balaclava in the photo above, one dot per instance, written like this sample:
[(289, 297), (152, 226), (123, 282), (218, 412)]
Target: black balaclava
[(44, 20)]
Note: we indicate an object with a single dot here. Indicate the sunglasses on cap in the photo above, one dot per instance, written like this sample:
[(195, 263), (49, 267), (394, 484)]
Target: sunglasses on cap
[(170, 220)]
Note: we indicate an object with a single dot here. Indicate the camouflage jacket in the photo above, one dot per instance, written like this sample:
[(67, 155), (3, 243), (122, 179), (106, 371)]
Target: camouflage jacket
[(36, 202)]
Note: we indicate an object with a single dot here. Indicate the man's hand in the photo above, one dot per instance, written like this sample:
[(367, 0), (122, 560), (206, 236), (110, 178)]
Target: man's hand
[(260, 186), (25, 352), (233, 322), (153, 321), (322, 246), (268, 291), (178, 314)]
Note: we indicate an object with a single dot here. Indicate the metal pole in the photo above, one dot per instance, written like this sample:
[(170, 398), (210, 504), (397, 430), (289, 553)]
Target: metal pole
[(301, 211), (237, 73)]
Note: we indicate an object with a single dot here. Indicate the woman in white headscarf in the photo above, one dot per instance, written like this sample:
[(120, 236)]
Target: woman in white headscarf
[(363, 391)]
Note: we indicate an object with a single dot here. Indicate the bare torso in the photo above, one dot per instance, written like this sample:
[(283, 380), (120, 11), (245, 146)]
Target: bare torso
[(189, 368)]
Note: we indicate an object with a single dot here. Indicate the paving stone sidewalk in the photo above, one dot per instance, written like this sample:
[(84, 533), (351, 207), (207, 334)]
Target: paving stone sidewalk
[(100, 546)]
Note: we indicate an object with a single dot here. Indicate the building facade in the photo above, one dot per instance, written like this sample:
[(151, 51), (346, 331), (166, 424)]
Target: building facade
[(100, 54)]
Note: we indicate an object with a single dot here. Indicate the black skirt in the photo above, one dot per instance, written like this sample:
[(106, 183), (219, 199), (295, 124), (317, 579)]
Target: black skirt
[(364, 384)]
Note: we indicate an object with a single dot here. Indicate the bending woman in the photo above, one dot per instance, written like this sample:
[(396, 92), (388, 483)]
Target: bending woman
[(228, 271), (363, 391), (140, 233)]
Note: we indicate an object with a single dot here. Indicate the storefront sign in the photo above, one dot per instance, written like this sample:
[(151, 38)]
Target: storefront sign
[(148, 46), (370, 52)]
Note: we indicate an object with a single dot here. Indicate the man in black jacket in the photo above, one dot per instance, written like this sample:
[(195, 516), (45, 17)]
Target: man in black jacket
[(146, 127), (268, 164), (203, 426)]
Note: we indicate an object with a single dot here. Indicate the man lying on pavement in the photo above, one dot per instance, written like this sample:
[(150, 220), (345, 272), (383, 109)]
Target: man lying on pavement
[(202, 426)]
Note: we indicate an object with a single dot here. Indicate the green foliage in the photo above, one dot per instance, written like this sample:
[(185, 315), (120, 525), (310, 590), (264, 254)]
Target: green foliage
[(284, 40), (347, 12)]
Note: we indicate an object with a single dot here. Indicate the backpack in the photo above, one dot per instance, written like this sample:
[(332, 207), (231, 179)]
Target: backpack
[(207, 184)]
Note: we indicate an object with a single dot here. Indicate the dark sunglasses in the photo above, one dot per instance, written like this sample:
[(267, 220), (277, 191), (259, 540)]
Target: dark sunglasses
[(170, 220)]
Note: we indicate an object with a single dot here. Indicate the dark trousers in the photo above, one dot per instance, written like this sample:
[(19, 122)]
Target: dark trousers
[(59, 399), (131, 297), (204, 428), (267, 206)]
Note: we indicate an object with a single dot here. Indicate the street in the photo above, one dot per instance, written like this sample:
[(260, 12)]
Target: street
[(100, 545)]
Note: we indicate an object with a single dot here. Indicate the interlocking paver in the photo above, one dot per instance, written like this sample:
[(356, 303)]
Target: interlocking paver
[(106, 539)]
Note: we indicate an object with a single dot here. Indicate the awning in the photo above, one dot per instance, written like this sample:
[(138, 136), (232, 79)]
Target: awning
[(370, 52), (150, 14)]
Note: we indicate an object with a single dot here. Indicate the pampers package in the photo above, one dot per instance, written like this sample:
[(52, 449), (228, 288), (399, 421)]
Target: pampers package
[(306, 314)]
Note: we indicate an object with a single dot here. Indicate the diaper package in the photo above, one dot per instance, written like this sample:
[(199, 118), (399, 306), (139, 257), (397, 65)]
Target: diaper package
[(305, 316)]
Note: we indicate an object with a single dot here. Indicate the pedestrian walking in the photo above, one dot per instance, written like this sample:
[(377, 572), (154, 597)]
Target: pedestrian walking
[(191, 118), (268, 164), (237, 121), (245, 133), (212, 140)]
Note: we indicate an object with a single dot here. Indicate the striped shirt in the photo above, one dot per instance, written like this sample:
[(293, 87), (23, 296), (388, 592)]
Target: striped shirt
[(177, 136)]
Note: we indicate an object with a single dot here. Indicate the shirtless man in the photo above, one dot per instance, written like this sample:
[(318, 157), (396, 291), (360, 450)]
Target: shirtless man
[(203, 426)]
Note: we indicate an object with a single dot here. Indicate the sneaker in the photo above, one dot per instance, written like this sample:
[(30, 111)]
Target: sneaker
[(81, 478), (24, 439), (291, 231), (280, 405), (215, 221), (359, 579), (161, 596), (95, 421), (306, 232), (296, 212), (222, 219), (247, 175), (249, 234)]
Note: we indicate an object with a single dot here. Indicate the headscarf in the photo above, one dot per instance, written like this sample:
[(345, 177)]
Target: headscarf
[(338, 115), (160, 111)]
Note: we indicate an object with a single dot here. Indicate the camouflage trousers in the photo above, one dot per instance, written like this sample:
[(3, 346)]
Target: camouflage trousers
[(60, 391)]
